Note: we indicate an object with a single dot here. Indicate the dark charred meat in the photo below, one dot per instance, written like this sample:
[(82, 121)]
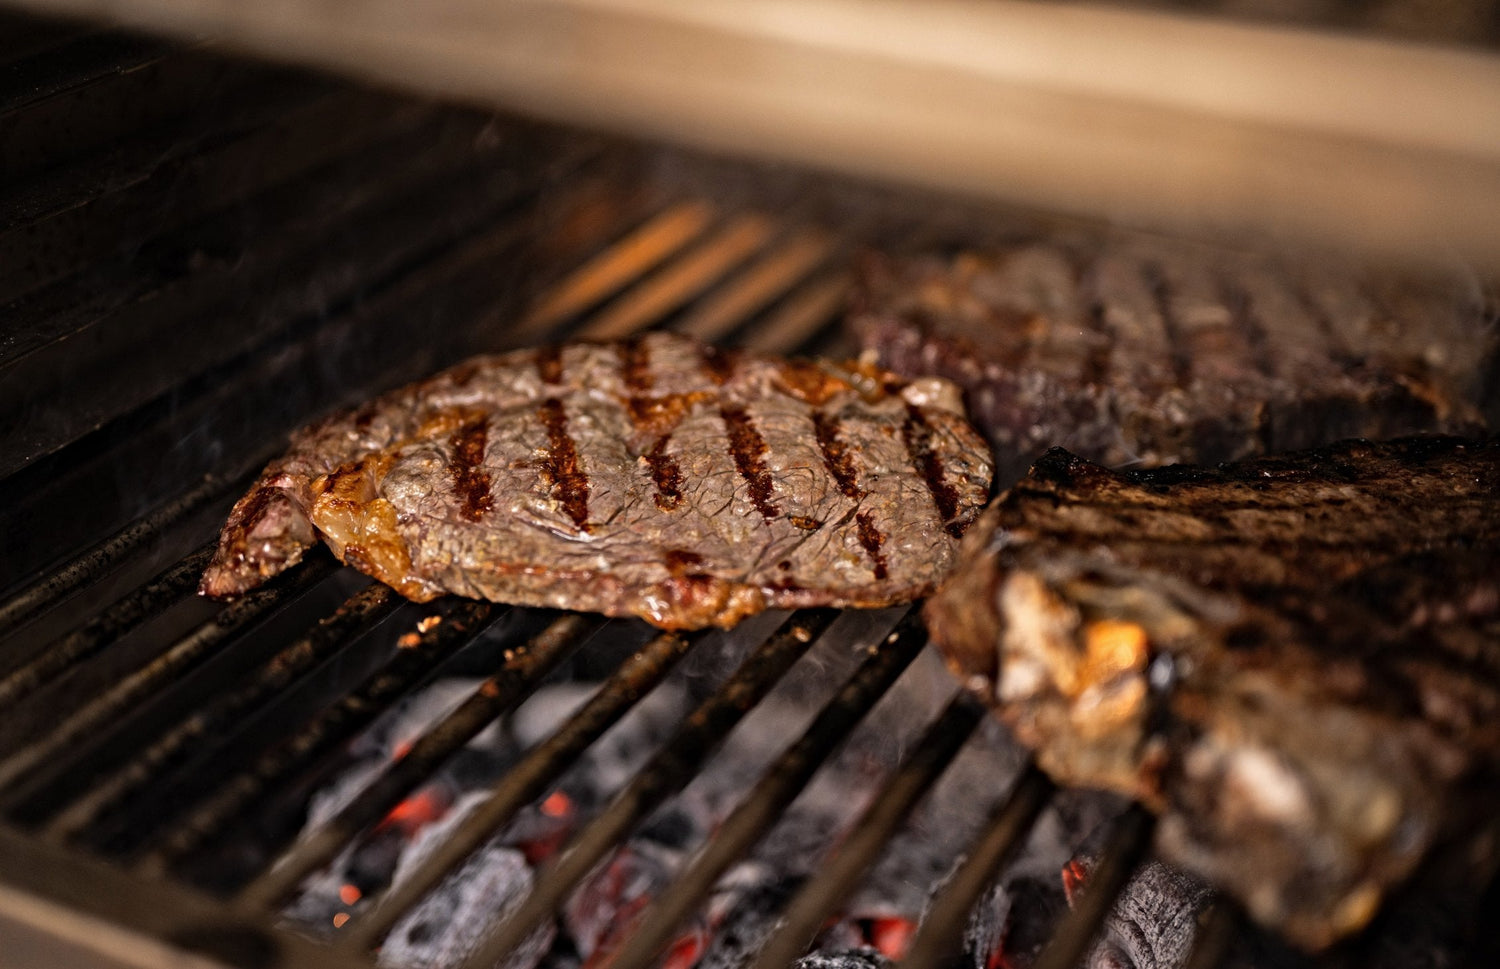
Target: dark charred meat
[(657, 478), (1294, 660), (1138, 352)]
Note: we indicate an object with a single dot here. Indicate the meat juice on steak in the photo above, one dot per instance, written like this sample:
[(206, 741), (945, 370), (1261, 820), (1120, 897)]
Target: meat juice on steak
[(657, 477), (1131, 350), (1294, 660)]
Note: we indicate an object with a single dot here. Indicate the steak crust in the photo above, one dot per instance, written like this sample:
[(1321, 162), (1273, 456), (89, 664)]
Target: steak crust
[(1294, 660), (1133, 351), (658, 478)]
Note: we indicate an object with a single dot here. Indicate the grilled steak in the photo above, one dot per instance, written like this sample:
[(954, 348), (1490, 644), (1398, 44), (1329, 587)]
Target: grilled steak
[(1294, 660), (1133, 351), (657, 477)]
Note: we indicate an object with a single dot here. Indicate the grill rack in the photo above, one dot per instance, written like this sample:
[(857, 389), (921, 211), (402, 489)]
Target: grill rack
[(99, 768), (684, 253)]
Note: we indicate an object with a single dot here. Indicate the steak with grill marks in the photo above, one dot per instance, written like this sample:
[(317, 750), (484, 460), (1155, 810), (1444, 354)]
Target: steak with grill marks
[(658, 478), (1140, 351), (1294, 660)]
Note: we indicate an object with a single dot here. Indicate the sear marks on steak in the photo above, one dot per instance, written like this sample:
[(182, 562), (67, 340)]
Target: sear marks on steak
[(658, 478), (1294, 660), (1137, 351)]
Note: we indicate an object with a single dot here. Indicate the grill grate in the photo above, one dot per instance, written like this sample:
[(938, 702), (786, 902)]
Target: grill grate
[(160, 732), (109, 810)]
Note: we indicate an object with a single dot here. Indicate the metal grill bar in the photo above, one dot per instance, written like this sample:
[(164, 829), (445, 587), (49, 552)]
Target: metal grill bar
[(826, 890), (418, 655), (805, 313), (525, 782), (93, 563), (619, 265), (361, 613), (760, 285), (685, 278), (1125, 850), (942, 928), (523, 671), (172, 584), (762, 808), (672, 767), (182, 655)]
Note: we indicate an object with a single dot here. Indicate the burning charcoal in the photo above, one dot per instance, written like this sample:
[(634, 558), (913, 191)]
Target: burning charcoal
[(1012, 923), (846, 959), (539, 830), (984, 936), (448, 924), (1153, 922), (887, 933), (620, 754), (751, 910), (603, 911)]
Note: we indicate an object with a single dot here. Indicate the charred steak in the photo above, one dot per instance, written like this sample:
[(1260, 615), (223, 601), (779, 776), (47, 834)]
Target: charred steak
[(1137, 351), (1294, 660), (658, 478)]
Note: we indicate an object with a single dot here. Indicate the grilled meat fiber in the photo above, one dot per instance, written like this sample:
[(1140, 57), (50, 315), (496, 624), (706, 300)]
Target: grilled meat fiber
[(1294, 660), (1136, 351), (658, 478)]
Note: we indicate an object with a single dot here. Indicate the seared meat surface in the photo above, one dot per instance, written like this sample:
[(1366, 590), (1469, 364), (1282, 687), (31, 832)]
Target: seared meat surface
[(1135, 351), (1294, 660), (657, 478)]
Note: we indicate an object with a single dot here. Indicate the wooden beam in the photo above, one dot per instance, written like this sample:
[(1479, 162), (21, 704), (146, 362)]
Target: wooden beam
[(1134, 115)]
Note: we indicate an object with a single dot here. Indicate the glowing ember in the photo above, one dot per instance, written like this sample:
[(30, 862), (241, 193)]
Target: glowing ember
[(339, 919), (889, 934), (422, 808), (1074, 874), (557, 805), (427, 624), (349, 894), (685, 951)]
